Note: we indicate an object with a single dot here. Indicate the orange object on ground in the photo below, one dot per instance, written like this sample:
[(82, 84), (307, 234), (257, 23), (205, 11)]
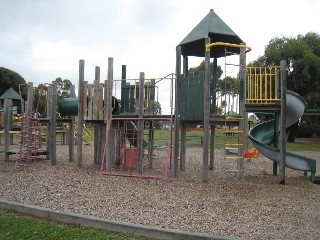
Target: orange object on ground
[(253, 153)]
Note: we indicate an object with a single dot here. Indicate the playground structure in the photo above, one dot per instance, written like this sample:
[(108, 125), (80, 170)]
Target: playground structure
[(120, 126), (32, 131), (126, 139)]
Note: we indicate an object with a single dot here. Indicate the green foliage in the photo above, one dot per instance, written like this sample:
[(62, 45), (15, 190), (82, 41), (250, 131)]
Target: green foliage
[(228, 85), (157, 111), (63, 87), (200, 68), (157, 108), (8, 79), (40, 96)]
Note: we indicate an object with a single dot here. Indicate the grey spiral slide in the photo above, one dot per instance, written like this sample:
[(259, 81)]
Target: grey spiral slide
[(262, 136)]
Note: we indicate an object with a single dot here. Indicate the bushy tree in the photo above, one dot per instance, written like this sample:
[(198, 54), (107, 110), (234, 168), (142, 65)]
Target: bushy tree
[(40, 99), (302, 55), (10, 79), (200, 68), (157, 111), (63, 87)]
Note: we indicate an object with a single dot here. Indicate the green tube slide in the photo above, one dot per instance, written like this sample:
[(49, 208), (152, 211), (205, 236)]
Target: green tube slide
[(262, 136)]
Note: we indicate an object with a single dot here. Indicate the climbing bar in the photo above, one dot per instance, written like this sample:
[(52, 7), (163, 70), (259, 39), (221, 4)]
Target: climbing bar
[(210, 45)]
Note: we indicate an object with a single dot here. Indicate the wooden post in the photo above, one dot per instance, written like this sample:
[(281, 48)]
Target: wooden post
[(151, 109), (53, 142), (6, 127), (108, 113), (213, 93), (141, 122), (276, 139), (283, 133), (183, 147), (242, 112), (80, 113), (90, 102), (206, 114), (71, 129), (28, 117), (150, 144), (49, 116), (183, 125), (177, 113), (51, 133), (212, 136), (96, 127), (213, 110), (123, 84)]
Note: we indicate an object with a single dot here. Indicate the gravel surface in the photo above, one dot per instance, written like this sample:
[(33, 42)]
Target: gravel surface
[(254, 208)]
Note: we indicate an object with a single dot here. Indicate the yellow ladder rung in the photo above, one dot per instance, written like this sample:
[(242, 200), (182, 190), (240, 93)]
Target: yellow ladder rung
[(234, 144), (233, 170), (234, 118), (234, 131), (233, 157)]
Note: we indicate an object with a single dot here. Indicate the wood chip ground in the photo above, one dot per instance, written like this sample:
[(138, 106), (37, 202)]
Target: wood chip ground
[(255, 208)]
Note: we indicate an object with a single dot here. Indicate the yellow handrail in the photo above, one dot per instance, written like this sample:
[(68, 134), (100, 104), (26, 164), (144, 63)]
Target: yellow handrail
[(210, 45)]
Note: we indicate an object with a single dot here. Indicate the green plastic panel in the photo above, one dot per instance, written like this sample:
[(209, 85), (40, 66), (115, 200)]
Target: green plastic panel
[(191, 100)]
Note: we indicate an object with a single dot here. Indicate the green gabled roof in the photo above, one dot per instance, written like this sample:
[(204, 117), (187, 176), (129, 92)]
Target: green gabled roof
[(217, 30), (10, 94)]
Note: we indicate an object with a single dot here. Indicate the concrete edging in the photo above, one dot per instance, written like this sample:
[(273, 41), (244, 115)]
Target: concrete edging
[(108, 225)]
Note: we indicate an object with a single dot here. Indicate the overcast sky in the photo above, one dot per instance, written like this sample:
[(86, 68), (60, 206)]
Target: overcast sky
[(43, 40)]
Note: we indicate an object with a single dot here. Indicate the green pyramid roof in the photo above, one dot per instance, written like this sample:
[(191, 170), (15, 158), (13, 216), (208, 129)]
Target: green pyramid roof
[(10, 94), (217, 30)]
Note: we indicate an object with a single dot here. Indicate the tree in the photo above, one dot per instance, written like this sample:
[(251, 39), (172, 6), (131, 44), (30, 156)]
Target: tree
[(201, 67), (157, 111), (229, 88), (63, 87), (8, 79), (302, 55), (40, 99)]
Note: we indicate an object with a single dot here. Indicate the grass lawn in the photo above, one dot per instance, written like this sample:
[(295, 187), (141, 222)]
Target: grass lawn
[(194, 139), (15, 226)]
